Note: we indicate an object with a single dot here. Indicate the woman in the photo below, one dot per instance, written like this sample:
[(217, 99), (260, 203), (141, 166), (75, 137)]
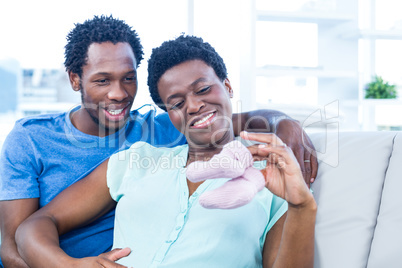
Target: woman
[(157, 215)]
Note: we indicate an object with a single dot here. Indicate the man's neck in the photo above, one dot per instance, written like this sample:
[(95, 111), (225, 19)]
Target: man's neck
[(82, 121)]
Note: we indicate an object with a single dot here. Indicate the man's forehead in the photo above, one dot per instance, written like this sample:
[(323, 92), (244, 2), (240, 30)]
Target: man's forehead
[(108, 50), (110, 56)]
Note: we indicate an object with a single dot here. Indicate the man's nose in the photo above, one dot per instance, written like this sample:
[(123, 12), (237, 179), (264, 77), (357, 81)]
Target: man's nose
[(117, 92)]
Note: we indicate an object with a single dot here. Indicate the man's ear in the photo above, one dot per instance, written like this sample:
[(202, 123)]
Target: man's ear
[(228, 87), (74, 80)]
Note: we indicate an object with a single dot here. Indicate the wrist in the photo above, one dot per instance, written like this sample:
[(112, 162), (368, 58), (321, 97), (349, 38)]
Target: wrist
[(308, 205), (66, 261)]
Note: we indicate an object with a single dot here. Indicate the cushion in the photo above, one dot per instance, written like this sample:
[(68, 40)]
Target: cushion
[(348, 191)]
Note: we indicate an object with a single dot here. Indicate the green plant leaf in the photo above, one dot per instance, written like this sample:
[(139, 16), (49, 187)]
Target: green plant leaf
[(378, 89)]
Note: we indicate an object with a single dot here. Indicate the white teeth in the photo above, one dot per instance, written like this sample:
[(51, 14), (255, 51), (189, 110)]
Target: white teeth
[(115, 112), (203, 120)]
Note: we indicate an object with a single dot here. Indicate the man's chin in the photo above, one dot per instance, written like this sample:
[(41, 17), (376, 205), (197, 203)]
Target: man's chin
[(111, 127)]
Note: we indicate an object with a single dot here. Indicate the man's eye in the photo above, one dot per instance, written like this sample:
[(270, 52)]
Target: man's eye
[(101, 81), (131, 78)]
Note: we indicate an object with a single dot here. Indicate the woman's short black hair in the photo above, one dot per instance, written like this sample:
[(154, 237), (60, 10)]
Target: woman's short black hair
[(179, 50), (98, 30)]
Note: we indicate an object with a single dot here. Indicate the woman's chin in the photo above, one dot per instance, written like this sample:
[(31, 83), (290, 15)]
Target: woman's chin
[(217, 140)]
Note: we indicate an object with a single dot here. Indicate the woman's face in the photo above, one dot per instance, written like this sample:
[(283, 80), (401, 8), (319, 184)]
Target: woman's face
[(198, 103)]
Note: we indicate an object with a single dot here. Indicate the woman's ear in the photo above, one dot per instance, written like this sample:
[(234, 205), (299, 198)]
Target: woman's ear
[(228, 87), (74, 80)]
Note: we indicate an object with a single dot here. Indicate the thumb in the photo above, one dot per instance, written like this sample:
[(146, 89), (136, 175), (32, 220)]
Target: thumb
[(117, 254)]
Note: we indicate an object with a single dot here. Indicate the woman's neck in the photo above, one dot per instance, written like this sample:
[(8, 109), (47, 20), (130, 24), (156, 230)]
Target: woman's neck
[(206, 151)]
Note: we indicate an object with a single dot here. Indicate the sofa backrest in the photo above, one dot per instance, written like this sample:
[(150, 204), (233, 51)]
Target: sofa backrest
[(359, 217)]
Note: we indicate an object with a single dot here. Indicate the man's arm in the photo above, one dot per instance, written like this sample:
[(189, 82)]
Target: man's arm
[(86, 200), (263, 120), (12, 214), (18, 190), (288, 130)]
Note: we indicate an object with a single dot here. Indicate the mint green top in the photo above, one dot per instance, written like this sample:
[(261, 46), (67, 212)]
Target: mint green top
[(164, 227)]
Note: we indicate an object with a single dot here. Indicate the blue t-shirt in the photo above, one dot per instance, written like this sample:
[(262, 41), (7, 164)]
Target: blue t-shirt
[(164, 227), (45, 154)]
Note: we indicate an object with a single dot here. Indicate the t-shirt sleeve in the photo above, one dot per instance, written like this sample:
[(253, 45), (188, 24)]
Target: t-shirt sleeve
[(125, 165), (19, 166), (278, 207), (116, 170)]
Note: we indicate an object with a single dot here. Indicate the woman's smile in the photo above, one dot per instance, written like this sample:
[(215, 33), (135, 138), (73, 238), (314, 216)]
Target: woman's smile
[(205, 121)]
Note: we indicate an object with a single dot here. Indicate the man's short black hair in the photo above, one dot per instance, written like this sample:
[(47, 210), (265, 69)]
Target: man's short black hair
[(98, 30), (179, 50)]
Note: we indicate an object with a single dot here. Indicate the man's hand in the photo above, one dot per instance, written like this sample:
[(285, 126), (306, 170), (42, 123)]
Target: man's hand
[(105, 260), (116, 254), (292, 134), (12, 213)]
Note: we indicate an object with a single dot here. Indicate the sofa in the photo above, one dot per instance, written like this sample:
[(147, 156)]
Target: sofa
[(358, 192)]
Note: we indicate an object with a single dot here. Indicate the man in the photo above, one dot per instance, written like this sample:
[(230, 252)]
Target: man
[(45, 154)]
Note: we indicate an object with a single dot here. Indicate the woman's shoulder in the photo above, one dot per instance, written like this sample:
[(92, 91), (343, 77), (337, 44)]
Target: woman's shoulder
[(143, 151), (145, 148)]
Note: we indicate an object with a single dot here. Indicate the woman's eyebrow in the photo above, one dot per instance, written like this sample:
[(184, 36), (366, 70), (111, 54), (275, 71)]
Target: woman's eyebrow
[(199, 80), (172, 97), (193, 84)]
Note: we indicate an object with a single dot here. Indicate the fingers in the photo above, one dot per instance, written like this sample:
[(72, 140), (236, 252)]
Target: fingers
[(280, 155), (267, 152), (257, 153), (268, 138), (264, 138), (314, 167), (299, 155), (116, 254), (274, 158), (272, 145), (106, 263), (310, 149), (307, 161), (307, 167)]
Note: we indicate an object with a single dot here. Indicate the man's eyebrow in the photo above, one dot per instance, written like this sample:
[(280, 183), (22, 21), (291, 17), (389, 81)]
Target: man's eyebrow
[(102, 73), (106, 73)]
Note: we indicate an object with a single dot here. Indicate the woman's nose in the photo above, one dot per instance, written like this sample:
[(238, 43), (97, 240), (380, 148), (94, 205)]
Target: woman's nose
[(194, 104)]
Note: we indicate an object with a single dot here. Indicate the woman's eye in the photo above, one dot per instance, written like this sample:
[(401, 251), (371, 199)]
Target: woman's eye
[(203, 90), (176, 105)]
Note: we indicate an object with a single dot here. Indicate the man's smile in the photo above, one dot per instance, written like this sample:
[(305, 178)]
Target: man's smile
[(117, 112)]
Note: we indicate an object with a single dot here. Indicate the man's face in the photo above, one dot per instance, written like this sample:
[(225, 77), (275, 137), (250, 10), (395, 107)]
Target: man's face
[(108, 87)]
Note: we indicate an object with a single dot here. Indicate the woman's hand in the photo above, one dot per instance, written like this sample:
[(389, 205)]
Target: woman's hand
[(291, 132), (105, 260), (282, 173)]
